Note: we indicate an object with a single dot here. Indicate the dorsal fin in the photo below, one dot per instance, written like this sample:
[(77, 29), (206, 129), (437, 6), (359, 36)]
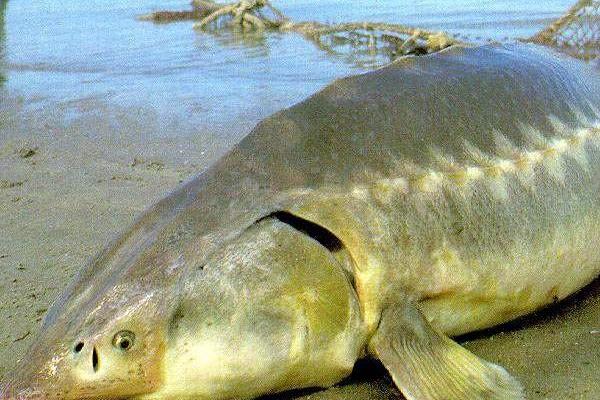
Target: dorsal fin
[(576, 33)]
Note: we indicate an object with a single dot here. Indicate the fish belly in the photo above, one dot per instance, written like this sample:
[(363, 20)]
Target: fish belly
[(525, 237), (483, 244)]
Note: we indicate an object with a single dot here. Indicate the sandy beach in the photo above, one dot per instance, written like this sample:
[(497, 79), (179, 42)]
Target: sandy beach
[(70, 183)]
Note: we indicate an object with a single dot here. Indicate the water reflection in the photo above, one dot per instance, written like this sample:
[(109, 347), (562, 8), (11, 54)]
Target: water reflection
[(253, 43), (362, 49), (226, 81)]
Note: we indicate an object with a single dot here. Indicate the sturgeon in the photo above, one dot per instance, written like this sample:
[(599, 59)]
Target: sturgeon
[(436, 196)]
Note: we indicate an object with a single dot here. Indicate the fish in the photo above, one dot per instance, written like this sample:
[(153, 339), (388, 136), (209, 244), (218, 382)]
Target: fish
[(379, 218)]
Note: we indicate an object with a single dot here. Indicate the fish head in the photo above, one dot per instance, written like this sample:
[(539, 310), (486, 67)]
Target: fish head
[(111, 347), (270, 309)]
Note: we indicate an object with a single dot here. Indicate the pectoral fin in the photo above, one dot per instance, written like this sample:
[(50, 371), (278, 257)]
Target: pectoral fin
[(427, 365)]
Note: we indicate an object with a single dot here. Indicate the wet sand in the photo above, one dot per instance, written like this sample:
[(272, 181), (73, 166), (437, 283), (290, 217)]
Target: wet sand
[(70, 183)]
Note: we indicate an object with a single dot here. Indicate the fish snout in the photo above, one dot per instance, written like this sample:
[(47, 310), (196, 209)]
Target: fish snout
[(54, 370), (35, 378), (86, 358), (102, 365)]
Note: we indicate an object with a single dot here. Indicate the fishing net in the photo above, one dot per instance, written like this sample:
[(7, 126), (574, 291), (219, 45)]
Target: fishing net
[(371, 44), (576, 33), (366, 44)]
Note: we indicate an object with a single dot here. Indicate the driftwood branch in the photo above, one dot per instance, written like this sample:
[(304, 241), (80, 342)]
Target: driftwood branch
[(576, 32), (200, 9), (244, 14), (249, 15)]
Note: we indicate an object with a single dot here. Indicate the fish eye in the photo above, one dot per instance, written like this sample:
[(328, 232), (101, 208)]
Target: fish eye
[(124, 340), (78, 347)]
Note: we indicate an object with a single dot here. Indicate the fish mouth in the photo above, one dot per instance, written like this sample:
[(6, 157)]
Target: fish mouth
[(16, 391), (40, 387)]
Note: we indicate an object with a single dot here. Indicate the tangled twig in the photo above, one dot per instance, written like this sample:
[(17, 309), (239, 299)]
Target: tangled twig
[(199, 11), (577, 32), (249, 15), (245, 14)]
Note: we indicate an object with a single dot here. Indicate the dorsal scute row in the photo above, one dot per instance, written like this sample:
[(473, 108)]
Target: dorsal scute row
[(540, 151)]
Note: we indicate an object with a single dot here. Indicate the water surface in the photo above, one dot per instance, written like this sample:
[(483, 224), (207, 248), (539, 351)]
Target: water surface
[(71, 54)]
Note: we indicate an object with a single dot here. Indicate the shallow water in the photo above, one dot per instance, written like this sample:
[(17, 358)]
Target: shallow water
[(64, 54)]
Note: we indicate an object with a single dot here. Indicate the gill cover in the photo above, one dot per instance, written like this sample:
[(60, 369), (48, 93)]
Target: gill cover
[(272, 310)]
